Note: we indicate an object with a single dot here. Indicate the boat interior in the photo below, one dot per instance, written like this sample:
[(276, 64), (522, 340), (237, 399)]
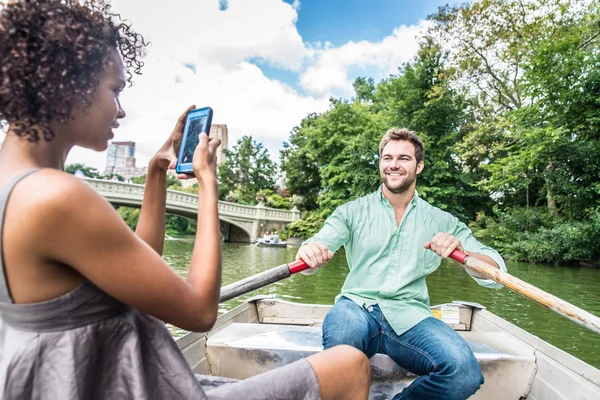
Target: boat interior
[(266, 333)]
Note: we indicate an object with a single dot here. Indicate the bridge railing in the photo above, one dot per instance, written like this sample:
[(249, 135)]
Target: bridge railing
[(133, 194)]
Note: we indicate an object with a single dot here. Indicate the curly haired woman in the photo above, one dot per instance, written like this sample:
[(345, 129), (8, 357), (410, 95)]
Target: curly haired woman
[(83, 300)]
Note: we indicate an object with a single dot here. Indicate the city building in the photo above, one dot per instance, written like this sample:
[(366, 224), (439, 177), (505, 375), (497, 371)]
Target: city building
[(120, 160), (220, 132), (216, 131)]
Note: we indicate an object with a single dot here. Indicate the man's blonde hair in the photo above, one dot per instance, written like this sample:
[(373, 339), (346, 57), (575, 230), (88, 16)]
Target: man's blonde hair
[(403, 134)]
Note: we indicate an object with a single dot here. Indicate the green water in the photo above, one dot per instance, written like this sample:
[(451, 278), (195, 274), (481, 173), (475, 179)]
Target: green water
[(579, 286)]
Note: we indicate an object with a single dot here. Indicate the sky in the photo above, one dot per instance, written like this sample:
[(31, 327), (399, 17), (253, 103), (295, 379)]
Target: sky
[(262, 65)]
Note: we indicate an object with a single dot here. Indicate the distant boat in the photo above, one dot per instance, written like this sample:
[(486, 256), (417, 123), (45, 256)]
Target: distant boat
[(269, 243)]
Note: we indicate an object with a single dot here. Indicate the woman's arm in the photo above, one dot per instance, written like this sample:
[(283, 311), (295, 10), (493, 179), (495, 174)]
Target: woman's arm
[(207, 246), (151, 224), (90, 237)]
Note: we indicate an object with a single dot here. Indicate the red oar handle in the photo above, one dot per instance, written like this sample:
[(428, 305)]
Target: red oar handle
[(459, 256), (297, 266)]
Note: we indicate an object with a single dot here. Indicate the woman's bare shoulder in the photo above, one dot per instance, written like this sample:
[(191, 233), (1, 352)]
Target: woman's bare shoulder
[(54, 191)]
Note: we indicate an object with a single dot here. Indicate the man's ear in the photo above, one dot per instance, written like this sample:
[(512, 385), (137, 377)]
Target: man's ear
[(420, 167)]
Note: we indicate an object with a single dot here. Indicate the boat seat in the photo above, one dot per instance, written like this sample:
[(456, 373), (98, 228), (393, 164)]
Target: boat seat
[(241, 350)]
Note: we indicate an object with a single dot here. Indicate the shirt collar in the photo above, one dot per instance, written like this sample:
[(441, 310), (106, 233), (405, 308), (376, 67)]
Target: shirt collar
[(382, 198)]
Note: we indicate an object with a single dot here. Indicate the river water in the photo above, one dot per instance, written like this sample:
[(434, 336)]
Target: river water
[(579, 286)]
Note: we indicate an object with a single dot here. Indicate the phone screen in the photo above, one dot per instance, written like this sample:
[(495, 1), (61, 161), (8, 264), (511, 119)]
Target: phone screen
[(198, 121)]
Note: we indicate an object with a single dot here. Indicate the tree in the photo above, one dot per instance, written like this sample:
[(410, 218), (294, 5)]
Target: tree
[(420, 98), (493, 45), (130, 215), (173, 183), (247, 170), (274, 199), (364, 89), (333, 157), (300, 165), (89, 172), (556, 137)]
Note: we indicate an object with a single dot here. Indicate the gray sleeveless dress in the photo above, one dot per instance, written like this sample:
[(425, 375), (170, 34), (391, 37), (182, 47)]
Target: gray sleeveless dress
[(87, 345)]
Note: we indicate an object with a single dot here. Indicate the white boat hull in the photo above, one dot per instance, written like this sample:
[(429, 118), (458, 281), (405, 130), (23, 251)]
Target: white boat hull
[(265, 333)]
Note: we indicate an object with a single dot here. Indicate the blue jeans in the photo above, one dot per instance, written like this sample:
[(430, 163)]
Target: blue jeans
[(445, 364)]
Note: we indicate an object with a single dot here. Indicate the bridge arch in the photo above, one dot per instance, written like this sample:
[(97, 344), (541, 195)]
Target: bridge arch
[(233, 231), (247, 219)]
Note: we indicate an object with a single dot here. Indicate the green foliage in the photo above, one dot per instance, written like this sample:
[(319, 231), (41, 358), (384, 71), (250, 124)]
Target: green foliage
[(300, 165), (304, 228), (364, 89), (510, 118), (273, 199), (333, 157), (87, 171), (564, 243), (173, 183), (530, 71), (177, 225), (174, 224), (130, 215), (530, 74), (247, 170), (193, 189), (140, 180), (346, 146), (420, 98), (534, 235)]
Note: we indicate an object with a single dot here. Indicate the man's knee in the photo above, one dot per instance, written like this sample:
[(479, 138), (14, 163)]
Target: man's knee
[(346, 324), (463, 377)]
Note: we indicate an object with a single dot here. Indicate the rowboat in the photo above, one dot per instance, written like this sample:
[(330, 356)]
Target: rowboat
[(265, 333), (268, 243)]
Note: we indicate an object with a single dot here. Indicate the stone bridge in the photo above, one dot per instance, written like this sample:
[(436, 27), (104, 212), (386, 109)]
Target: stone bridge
[(239, 223)]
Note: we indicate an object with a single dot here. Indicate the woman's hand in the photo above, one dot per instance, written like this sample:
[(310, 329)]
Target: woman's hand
[(166, 157), (205, 158)]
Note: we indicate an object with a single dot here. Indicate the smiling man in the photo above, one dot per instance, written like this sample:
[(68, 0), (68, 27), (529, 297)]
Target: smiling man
[(393, 240)]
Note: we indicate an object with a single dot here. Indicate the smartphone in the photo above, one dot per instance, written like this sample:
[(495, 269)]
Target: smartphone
[(197, 121)]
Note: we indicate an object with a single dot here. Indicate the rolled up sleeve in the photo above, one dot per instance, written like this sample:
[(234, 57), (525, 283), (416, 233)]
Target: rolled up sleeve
[(470, 244), (334, 233)]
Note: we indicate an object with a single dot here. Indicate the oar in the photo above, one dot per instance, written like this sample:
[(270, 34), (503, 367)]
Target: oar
[(554, 303), (261, 279)]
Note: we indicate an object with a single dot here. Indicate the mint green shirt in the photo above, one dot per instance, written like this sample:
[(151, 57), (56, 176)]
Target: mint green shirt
[(388, 263)]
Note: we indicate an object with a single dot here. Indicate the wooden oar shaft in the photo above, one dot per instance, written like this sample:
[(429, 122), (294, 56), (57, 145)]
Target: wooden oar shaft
[(554, 303), (260, 280)]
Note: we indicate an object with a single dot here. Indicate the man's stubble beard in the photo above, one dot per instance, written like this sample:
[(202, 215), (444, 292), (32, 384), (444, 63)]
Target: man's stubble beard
[(403, 187)]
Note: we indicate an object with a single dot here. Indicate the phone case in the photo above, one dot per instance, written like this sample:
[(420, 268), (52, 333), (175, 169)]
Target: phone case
[(189, 141)]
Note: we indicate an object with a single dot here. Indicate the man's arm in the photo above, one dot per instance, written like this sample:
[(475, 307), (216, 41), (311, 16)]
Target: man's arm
[(461, 238), (475, 248), (319, 249)]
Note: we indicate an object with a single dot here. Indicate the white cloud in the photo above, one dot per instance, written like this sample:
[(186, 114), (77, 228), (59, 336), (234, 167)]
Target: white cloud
[(330, 72), (198, 30), (219, 45)]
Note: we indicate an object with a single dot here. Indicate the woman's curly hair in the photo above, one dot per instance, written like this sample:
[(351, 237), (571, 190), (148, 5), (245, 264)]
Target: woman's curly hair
[(52, 53)]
